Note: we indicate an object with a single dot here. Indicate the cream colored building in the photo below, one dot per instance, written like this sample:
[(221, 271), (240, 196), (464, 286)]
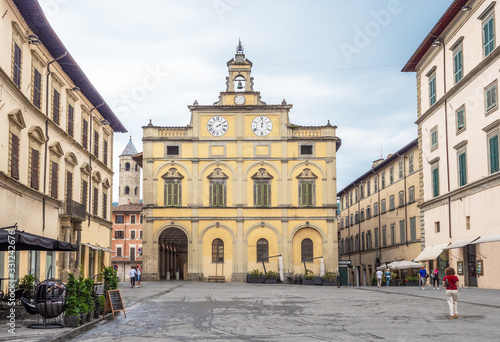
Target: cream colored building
[(56, 147), (240, 182), (379, 217), (458, 126)]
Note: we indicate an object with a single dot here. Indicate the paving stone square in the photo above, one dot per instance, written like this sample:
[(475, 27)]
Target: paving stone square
[(191, 311)]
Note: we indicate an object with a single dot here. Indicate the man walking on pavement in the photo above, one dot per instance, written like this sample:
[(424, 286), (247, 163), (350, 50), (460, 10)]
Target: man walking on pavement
[(132, 276), (379, 278), (422, 274)]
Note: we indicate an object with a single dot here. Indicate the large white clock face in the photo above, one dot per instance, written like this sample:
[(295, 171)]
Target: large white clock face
[(217, 126), (262, 126), (239, 99)]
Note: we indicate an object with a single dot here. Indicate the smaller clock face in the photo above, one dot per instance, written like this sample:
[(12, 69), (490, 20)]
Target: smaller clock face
[(262, 126), (239, 99), (217, 126)]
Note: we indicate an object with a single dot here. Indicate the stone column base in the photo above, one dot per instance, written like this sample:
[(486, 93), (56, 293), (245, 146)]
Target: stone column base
[(195, 277), (149, 277), (239, 277)]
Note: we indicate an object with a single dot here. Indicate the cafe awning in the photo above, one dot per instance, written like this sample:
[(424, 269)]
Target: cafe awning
[(461, 243), (487, 238), (18, 240), (430, 252), (98, 248)]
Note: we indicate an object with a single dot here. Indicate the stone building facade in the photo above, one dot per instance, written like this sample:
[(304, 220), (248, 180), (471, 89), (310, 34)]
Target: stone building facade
[(238, 184), (458, 120), (56, 147), (379, 216)]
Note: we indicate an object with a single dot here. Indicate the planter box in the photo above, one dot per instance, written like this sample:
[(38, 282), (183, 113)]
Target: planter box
[(256, 280), (318, 281), (329, 283), (412, 283), (71, 321), (308, 282), (271, 280)]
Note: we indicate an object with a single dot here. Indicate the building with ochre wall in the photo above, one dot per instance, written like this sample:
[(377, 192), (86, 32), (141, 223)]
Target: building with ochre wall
[(56, 147), (458, 119), (237, 184)]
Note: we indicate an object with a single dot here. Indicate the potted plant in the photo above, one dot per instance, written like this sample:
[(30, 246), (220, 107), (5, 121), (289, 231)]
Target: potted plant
[(411, 281), (308, 277), (83, 295), (89, 285), (256, 277), (374, 280), (329, 279), (271, 277), (71, 308), (27, 284)]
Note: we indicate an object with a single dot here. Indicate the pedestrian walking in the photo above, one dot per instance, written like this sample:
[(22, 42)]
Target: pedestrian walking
[(339, 282), (450, 281), (422, 277), (138, 271), (388, 276), (132, 273), (379, 278), (435, 278)]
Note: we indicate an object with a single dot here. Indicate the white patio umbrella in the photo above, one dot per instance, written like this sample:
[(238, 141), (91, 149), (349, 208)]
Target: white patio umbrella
[(322, 268), (403, 265), (280, 266)]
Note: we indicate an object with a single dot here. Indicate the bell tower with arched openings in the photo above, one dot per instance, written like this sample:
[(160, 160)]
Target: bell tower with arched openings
[(130, 176)]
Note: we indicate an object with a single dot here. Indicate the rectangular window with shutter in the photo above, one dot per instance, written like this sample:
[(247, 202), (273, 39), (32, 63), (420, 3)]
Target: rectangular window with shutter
[(16, 72), (56, 106), (71, 119), (384, 236), (118, 251), (393, 233), (54, 178), (96, 144), (435, 180), (132, 235), (105, 152), (69, 187), (458, 64), (306, 193), (413, 229), (14, 156), (262, 194), (218, 193), (493, 149), (85, 132), (488, 35), (402, 231), (104, 205), (85, 187), (172, 193), (462, 168), (490, 97), (35, 167), (95, 203), (37, 88)]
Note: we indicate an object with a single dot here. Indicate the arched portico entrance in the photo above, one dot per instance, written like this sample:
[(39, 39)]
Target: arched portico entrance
[(172, 254)]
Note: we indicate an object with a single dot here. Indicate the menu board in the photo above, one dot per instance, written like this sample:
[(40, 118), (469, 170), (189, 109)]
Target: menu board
[(114, 302)]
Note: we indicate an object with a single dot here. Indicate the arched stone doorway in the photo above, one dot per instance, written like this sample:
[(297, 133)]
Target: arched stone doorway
[(172, 254)]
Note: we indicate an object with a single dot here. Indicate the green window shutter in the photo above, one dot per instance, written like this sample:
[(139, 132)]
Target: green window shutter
[(265, 194), (494, 162), (175, 194), (435, 181), (462, 169)]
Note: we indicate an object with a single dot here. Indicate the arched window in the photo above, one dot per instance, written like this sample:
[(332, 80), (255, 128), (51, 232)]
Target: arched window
[(307, 250), (136, 191), (262, 250), (239, 83), (127, 166), (217, 250), (127, 190)]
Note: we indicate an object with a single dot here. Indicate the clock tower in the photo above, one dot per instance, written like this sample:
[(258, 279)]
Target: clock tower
[(239, 184)]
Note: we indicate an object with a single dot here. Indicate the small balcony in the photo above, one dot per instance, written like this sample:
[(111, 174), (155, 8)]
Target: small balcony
[(77, 211)]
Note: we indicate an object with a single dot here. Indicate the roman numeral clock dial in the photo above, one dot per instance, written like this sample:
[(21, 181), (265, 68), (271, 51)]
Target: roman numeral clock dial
[(262, 126), (217, 126)]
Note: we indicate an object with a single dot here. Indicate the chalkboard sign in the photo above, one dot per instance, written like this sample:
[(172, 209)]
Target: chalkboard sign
[(114, 302)]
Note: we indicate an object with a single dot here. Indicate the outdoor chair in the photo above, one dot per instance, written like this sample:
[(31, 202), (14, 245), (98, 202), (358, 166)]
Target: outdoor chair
[(49, 300), (29, 306)]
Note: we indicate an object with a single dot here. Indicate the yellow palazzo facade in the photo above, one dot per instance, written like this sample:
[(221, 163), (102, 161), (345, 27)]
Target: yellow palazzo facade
[(236, 185)]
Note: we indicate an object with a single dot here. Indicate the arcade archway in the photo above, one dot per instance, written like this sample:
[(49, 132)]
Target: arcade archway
[(172, 254)]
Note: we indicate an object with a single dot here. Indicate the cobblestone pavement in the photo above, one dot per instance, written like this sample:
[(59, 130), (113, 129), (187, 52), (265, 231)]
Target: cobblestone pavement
[(187, 311)]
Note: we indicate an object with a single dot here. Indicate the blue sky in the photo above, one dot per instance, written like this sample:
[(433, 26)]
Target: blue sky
[(333, 60)]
